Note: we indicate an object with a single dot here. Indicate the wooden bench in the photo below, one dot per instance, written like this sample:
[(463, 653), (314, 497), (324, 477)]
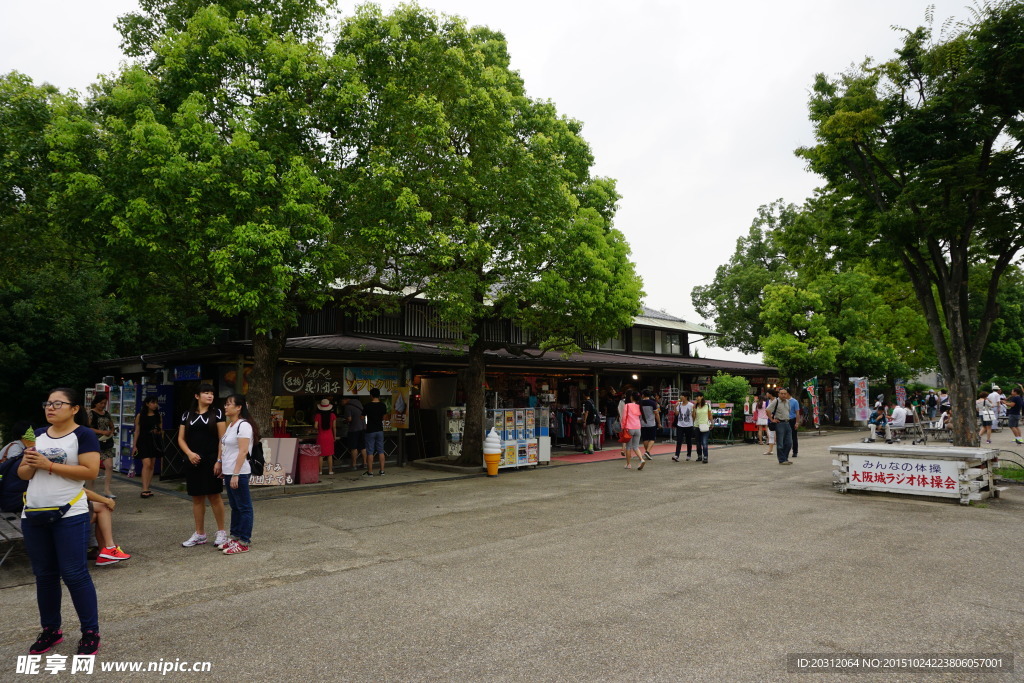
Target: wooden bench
[(10, 533)]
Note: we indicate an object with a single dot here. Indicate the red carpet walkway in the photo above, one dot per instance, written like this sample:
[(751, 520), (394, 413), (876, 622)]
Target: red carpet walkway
[(612, 452)]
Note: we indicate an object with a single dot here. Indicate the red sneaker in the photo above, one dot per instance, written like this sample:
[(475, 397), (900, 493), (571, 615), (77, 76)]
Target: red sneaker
[(113, 553), (235, 547)]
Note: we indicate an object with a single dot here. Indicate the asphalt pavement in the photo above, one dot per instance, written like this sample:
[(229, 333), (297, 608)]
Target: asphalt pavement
[(683, 571)]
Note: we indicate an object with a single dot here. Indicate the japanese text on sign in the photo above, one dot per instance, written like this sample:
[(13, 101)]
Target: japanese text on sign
[(918, 476), (359, 381), (311, 380)]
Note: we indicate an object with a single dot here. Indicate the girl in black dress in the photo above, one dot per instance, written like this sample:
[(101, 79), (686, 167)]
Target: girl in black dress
[(199, 438), (148, 433)]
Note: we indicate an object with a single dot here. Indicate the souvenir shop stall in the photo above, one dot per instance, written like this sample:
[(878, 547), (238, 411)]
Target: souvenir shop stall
[(308, 397), (531, 412)]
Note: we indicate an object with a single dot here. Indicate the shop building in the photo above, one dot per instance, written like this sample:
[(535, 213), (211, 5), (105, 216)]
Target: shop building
[(414, 359)]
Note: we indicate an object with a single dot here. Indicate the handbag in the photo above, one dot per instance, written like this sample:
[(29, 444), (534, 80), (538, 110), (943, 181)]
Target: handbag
[(625, 436), (49, 515), (771, 425)]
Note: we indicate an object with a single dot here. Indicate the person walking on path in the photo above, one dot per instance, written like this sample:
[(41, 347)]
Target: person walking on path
[(932, 404), (55, 521), (100, 421), (761, 420), (630, 419), (650, 420), (778, 413), (146, 440), (591, 422), (326, 423), (375, 411), (987, 416), (795, 415), (1014, 403), (684, 426), (199, 436), (240, 435), (702, 421)]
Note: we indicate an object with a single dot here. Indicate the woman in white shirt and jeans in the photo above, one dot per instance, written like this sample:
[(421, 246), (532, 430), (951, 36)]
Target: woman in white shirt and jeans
[(64, 457), (236, 445)]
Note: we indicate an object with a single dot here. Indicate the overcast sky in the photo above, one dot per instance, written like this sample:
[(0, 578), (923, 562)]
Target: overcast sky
[(695, 108)]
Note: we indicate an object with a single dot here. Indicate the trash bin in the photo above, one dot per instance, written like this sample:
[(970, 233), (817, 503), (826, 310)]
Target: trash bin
[(309, 464)]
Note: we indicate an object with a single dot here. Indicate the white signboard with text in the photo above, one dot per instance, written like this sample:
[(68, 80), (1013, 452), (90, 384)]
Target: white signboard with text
[(906, 475)]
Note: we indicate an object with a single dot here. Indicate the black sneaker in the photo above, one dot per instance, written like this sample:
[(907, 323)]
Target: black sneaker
[(46, 640), (381, 473), (367, 473), (89, 644)]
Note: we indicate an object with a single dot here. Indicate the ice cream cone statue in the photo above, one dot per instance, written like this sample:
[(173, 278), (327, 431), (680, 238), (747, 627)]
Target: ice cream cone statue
[(492, 453)]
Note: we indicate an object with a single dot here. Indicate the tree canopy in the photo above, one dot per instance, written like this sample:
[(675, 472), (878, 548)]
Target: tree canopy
[(927, 147)]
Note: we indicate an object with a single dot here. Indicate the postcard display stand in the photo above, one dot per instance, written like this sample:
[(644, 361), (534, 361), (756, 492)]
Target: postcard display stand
[(121, 406), (721, 414), (522, 431), (454, 426), (126, 431)]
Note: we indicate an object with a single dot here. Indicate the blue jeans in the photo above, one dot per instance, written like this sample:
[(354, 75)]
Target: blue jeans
[(702, 443), (374, 443), (241, 508), (783, 439), (57, 551)]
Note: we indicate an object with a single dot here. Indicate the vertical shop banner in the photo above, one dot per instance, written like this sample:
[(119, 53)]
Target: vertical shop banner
[(359, 381), (860, 399), (901, 392), (811, 386), (400, 408)]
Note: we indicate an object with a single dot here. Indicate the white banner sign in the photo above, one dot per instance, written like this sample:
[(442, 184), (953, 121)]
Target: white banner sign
[(904, 474)]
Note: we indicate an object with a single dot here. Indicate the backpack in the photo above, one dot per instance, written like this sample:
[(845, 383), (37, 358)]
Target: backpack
[(932, 401), (256, 460), (12, 486)]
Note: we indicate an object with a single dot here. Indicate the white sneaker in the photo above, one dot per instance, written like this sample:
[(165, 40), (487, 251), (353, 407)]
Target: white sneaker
[(195, 539), (221, 540)]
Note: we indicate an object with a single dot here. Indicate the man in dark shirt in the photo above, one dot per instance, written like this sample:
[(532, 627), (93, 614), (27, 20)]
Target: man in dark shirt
[(375, 412), (1014, 403), (353, 416)]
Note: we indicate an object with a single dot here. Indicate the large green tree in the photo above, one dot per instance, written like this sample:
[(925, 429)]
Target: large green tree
[(214, 172), (735, 298), (479, 194), (928, 147)]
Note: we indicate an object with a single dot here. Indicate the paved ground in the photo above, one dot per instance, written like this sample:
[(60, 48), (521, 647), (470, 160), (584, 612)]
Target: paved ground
[(589, 572)]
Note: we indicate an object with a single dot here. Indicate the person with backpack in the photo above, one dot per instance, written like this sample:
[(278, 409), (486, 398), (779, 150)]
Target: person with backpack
[(236, 446), (932, 402), (17, 447), (11, 485)]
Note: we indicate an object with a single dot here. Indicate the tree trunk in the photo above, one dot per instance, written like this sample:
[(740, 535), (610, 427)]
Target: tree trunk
[(473, 378), (963, 387), (266, 349)]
